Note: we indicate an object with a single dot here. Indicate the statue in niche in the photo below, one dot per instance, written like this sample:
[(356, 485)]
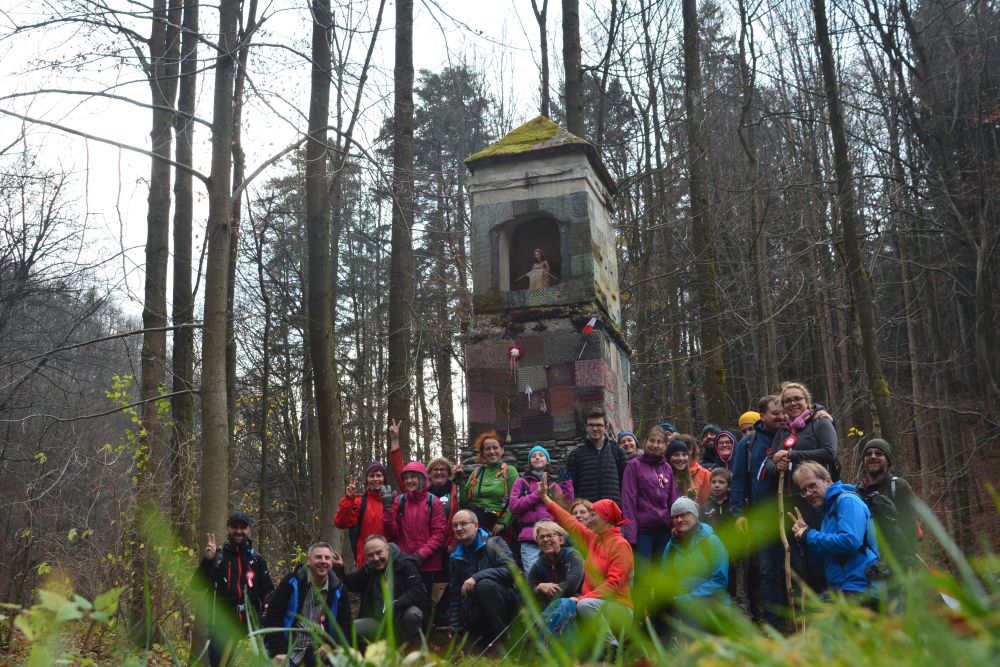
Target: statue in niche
[(539, 275)]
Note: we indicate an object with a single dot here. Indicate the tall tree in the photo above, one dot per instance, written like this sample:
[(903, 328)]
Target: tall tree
[(319, 269), (851, 228), (401, 281), (709, 307), (541, 17), (573, 63)]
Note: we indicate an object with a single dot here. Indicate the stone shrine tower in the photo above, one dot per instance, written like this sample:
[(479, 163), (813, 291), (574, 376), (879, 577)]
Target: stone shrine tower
[(543, 267)]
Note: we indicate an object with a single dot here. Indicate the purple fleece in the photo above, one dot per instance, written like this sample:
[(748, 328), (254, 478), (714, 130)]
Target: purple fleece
[(526, 504), (647, 494)]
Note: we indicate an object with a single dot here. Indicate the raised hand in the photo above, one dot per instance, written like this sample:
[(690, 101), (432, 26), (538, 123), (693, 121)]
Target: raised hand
[(352, 485), (394, 425), (337, 560), (799, 527), (543, 487), (210, 547)]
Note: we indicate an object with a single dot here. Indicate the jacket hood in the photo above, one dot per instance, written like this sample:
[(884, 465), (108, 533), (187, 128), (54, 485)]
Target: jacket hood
[(418, 467), (834, 490)]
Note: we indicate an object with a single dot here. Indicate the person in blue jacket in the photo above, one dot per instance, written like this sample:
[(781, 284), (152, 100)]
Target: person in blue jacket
[(846, 540), (695, 558)]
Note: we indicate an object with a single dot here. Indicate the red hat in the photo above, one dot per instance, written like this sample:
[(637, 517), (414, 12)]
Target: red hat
[(609, 511)]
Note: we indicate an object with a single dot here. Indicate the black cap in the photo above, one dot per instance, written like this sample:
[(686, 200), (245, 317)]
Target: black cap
[(239, 516)]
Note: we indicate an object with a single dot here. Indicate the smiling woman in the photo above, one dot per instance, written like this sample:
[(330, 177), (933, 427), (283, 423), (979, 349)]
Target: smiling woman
[(487, 489)]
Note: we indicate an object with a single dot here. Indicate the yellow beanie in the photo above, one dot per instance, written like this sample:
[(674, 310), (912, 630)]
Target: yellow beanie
[(750, 417)]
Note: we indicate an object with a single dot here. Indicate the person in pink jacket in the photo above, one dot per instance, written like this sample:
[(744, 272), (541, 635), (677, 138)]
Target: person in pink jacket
[(527, 505), (416, 523)]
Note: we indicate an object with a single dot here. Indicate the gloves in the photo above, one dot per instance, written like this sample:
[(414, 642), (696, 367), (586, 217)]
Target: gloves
[(387, 496)]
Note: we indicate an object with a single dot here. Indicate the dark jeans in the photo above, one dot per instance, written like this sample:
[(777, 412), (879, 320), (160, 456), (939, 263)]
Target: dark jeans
[(408, 623), (771, 563), (488, 610), (651, 542)]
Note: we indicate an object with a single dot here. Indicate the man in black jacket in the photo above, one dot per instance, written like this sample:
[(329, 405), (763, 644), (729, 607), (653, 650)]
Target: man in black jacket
[(385, 564), (481, 579), (236, 576), (597, 464), (308, 599)]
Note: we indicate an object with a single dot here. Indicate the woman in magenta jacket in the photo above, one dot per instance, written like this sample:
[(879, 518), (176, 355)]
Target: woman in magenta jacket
[(416, 523), (527, 505), (648, 491)]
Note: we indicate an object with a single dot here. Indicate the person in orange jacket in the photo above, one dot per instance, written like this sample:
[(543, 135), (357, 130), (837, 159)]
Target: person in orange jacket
[(692, 480), (607, 588), (361, 513)]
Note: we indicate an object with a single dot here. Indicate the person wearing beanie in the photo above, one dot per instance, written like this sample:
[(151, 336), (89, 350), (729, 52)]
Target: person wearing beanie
[(747, 420), (607, 592), (629, 444), (361, 513), (697, 560), (877, 457), (526, 504), (708, 444), (648, 491)]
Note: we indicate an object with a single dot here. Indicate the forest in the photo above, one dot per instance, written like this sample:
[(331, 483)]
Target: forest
[(806, 190)]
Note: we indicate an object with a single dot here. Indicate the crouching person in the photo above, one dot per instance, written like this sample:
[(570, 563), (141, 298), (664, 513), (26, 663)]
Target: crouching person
[(386, 566), (483, 598), (608, 566), (697, 561), (307, 604), (846, 541), (557, 575)]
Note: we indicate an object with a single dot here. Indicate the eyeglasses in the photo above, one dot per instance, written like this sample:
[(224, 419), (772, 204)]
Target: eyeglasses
[(809, 488), (793, 399), (547, 537), (463, 524)]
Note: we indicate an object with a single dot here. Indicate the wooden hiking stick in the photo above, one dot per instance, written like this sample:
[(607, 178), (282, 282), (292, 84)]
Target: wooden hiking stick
[(784, 543)]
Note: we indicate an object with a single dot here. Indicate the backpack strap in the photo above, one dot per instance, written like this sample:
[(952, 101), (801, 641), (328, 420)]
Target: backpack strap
[(892, 488), (430, 508)]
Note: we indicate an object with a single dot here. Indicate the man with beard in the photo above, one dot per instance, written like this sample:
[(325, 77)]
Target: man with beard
[(237, 576), (387, 569), (879, 479), (307, 603)]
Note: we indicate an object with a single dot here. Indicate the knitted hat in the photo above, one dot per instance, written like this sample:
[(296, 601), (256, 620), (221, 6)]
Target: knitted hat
[(668, 427), (710, 428), (676, 446), (609, 511), (624, 433), (881, 445), (375, 466), (749, 418), (684, 505), (539, 448)]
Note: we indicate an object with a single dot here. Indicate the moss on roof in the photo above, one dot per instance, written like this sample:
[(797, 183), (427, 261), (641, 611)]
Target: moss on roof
[(537, 134)]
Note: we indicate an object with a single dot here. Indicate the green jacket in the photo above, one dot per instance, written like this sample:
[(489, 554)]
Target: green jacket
[(488, 486)]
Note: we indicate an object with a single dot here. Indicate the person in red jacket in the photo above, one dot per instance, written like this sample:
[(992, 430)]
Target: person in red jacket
[(416, 523), (361, 513), (607, 592)]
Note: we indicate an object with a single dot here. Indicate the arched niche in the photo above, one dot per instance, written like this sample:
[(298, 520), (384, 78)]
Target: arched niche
[(517, 245)]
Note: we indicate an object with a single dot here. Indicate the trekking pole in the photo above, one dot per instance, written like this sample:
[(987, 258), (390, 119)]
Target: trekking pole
[(784, 543), (493, 643)]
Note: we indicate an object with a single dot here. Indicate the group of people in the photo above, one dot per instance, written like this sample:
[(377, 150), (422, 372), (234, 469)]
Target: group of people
[(578, 533)]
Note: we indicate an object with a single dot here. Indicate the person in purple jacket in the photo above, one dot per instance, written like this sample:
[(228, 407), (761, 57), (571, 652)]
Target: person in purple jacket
[(528, 507), (648, 492)]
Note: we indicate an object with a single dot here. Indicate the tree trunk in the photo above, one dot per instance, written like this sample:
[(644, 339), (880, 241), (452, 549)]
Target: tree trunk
[(709, 308), (153, 458), (541, 16), (401, 280), (214, 501), (574, 67), (851, 227), (182, 404), (319, 267), (214, 416)]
